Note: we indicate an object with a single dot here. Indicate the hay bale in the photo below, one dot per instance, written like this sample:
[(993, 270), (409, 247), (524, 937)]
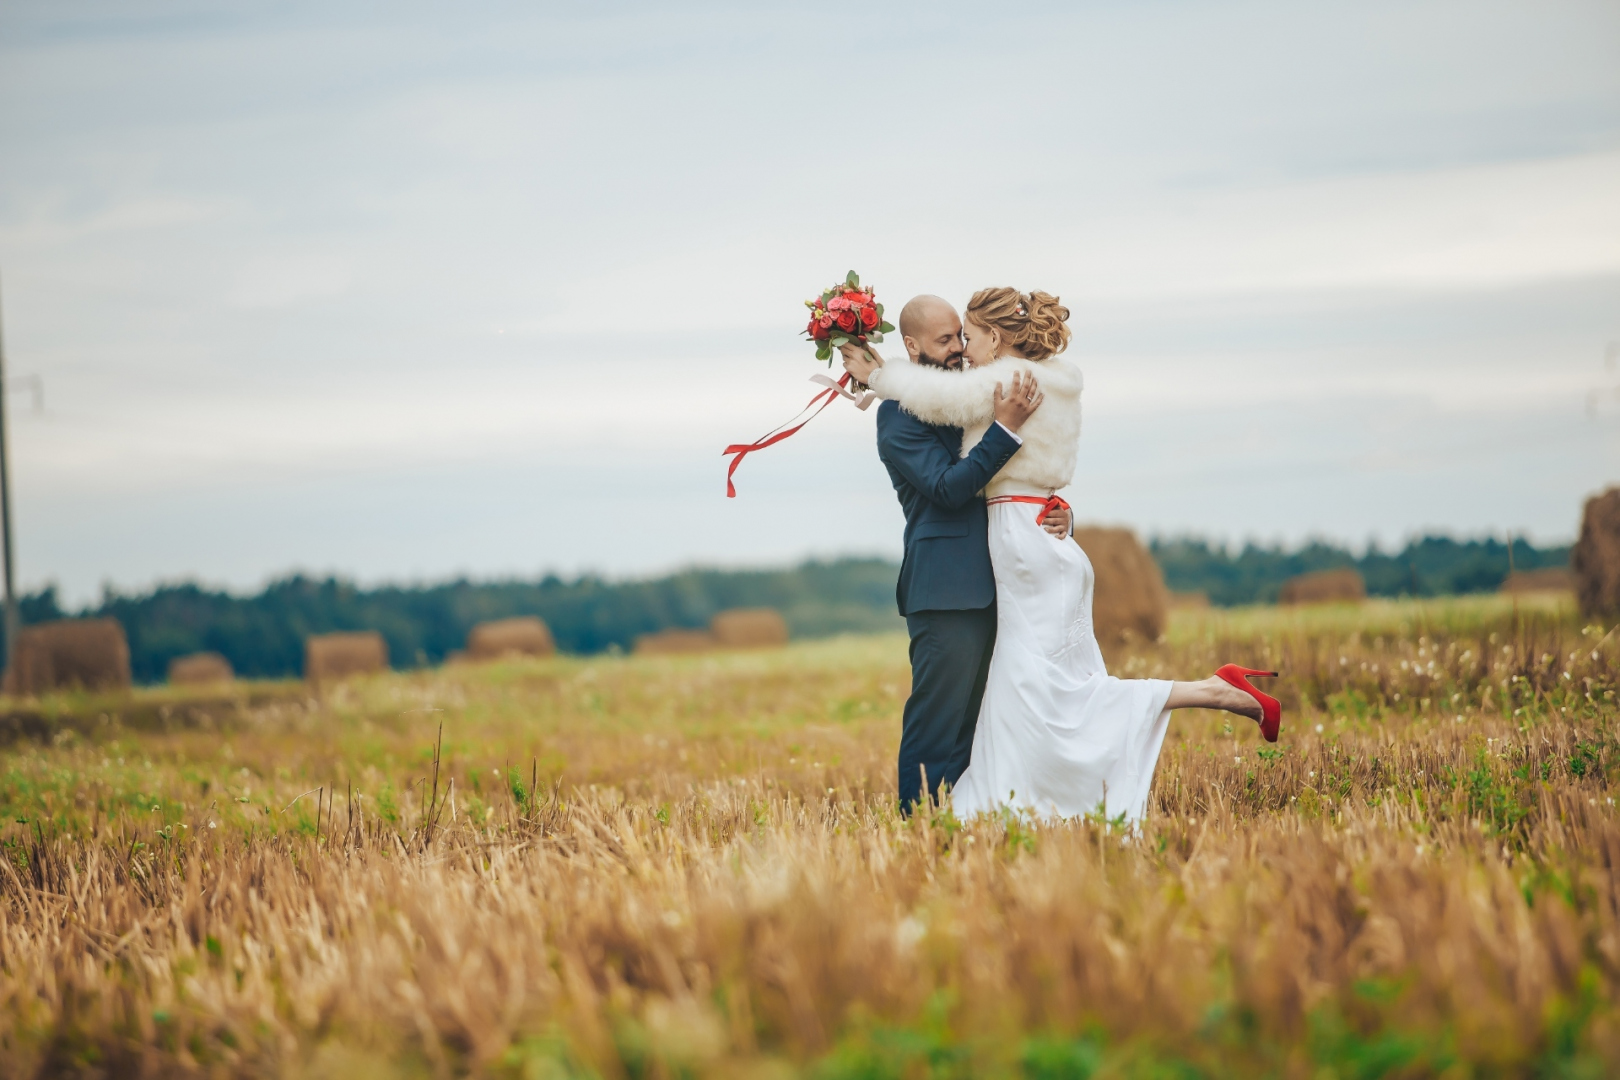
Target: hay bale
[(1549, 579), (526, 636), (749, 628), (1596, 558), (200, 669), (1129, 599), (1324, 587), (674, 641), (68, 654), (330, 657)]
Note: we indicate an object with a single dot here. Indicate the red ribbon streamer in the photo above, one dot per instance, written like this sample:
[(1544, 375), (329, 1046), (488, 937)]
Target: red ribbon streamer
[(1048, 504), (776, 435)]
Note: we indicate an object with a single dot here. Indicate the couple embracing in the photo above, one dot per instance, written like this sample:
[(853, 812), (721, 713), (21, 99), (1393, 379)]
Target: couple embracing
[(1011, 705)]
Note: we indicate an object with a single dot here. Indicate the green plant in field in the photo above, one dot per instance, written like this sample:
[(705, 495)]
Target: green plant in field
[(1019, 831), (1055, 1058)]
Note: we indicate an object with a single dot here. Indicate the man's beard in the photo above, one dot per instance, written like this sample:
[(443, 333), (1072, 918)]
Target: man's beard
[(951, 362)]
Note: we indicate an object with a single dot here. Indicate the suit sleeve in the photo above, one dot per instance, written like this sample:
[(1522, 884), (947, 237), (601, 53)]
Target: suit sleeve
[(917, 454)]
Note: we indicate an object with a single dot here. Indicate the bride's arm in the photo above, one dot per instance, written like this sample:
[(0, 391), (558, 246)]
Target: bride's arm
[(937, 396)]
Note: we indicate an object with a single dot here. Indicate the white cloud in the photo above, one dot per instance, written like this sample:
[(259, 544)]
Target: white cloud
[(276, 281)]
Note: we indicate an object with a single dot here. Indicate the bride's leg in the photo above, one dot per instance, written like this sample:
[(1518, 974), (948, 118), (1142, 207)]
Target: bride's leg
[(1212, 693)]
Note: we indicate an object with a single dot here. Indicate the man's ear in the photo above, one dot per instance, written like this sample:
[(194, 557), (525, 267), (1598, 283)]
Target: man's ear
[(911, 348)]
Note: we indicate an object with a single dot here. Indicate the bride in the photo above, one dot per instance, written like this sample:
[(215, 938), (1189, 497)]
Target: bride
[(1057, 735)]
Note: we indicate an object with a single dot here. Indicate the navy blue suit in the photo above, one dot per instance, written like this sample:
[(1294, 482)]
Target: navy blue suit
[(947, 589)]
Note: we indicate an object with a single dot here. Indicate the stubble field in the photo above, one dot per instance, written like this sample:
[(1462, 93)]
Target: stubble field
[(663, 867)]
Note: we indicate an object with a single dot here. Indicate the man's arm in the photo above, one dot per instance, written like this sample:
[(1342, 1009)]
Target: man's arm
[(917, 454)]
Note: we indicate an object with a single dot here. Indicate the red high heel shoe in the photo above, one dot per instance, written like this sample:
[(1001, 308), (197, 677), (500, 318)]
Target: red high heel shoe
[(1270, 707)]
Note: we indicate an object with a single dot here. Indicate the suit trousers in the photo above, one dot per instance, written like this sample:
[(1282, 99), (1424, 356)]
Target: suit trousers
[(950, 660)]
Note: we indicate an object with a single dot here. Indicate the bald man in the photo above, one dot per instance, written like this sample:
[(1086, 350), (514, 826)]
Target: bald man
[(947, 589)]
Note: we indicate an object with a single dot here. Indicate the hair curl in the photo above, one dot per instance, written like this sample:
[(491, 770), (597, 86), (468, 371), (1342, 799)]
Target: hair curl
[(1033, 323)]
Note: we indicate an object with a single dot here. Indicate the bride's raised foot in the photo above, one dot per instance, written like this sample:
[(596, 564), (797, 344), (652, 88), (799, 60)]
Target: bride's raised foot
[(1270, 708)]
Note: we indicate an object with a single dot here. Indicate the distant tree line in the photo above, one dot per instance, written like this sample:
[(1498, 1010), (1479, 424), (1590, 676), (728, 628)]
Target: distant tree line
[(1432, 566), (263, 634)]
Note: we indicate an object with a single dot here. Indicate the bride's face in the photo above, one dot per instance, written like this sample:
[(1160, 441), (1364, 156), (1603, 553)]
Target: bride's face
[(982, 344)]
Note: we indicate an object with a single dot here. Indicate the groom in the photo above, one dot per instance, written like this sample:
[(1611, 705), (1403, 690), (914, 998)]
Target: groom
[(947, 590)]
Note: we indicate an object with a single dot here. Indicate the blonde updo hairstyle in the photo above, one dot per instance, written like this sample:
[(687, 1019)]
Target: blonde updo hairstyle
[(1032, 323)]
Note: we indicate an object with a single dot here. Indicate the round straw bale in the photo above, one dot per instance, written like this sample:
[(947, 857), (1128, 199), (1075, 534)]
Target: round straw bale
[(1548, 579), (89, 654), (1324, 587), (328, 657), (526, 636), (745, 628), (1129, 600), (1596, 558), (674, 641), (200, 669)]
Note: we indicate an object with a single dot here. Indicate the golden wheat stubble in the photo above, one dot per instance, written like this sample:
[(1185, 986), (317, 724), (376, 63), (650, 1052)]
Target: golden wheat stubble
[(694, 862)]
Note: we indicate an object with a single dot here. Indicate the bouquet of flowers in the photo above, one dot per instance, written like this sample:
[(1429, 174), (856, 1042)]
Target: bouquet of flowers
[(842, 314)]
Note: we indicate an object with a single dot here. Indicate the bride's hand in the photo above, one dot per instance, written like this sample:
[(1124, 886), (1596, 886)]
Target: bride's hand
[(859, 362)]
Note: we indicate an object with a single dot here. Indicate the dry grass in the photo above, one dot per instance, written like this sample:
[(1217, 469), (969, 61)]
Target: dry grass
[(673, 866)]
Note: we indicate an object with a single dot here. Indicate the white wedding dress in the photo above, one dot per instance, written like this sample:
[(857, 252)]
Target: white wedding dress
[(1057, 735)]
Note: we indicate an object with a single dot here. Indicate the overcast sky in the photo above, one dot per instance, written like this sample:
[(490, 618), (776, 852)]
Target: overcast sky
[(404, 291)]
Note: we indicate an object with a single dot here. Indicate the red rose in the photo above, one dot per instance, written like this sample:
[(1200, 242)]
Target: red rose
[(869, 317), (819, 332), (846, 320), (811, 329)]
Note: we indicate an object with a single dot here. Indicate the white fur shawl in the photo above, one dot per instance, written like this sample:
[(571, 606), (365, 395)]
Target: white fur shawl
[(966, 399)]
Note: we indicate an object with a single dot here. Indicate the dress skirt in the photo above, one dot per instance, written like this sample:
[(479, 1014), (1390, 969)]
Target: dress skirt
[(1057, 735)]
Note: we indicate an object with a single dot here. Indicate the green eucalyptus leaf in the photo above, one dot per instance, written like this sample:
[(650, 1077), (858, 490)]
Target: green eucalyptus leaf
[(838, 341), (887, 328), (853, 280)]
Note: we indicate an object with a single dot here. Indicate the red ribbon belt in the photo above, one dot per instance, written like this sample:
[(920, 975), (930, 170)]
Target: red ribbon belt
[(776, 435), (1047, 505)]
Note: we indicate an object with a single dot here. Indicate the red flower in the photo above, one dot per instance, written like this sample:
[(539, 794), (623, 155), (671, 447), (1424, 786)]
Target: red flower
[(842, 310)]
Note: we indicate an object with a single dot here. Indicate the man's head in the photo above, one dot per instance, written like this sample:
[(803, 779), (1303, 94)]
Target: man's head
[(932, 332)]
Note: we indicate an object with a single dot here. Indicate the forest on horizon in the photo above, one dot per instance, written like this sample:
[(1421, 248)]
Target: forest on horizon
[(262, 634)]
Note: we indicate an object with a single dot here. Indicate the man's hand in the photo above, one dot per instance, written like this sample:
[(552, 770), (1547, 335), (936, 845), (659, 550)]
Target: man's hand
[(1020, 402), (859, 362), (1058, 522)]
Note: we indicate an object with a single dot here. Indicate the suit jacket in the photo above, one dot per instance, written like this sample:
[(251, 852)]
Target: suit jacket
[(947, 538)]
